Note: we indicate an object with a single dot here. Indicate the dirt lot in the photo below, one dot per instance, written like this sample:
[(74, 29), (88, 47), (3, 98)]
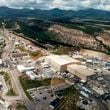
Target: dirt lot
[(57, 81), (95, 53)]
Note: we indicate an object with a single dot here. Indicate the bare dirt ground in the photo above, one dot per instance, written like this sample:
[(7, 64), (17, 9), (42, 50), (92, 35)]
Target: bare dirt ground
[(57, 81), (95, 53)]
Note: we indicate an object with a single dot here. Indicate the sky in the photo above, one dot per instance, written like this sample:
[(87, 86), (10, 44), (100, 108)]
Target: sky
[(62, 4)]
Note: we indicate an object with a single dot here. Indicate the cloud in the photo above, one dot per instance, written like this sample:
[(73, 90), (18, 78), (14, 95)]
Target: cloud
[(62, 4)]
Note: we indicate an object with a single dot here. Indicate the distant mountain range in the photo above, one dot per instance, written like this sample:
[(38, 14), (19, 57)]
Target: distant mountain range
[(55, 13)]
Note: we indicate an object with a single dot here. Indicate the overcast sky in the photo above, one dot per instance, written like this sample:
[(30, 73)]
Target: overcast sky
[(62, 4)]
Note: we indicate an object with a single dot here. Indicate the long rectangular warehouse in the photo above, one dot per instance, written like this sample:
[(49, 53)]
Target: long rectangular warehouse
[(80, 71), (60, 62)]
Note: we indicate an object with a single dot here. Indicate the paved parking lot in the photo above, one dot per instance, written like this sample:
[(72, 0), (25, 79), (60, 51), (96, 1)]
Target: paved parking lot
[(42, 97)]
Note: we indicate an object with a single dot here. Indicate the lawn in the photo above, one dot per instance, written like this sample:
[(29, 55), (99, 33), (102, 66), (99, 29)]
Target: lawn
[(28, 84)]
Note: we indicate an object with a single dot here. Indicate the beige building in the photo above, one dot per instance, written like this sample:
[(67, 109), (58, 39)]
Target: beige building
[(80, 71), (60, 62)]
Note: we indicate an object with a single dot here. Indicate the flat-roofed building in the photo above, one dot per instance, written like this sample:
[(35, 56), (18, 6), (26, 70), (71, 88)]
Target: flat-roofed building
[(22, 68), (60, 62), (80, 71), (79, 57)]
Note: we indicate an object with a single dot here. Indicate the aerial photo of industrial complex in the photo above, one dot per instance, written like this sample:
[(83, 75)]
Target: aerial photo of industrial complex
[(54, 54)]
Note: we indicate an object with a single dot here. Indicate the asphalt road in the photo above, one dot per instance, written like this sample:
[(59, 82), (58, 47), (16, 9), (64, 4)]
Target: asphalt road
[(5, 56)]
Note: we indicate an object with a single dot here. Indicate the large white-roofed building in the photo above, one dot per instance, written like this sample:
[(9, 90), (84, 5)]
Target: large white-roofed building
[(80, 71), (22, 68), (60, 62), (32, 75)]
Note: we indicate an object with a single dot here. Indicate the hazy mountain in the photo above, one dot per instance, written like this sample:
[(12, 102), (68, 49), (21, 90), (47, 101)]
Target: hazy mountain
[(86, 33), (55, 13)]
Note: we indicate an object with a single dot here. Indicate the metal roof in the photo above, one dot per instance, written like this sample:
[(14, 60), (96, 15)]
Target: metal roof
[(82, 69), (62, 59)]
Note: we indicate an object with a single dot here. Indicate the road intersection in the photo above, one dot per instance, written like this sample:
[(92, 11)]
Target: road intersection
[(15, 79)]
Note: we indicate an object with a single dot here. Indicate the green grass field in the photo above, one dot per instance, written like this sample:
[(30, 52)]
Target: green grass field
[(28, 84)]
